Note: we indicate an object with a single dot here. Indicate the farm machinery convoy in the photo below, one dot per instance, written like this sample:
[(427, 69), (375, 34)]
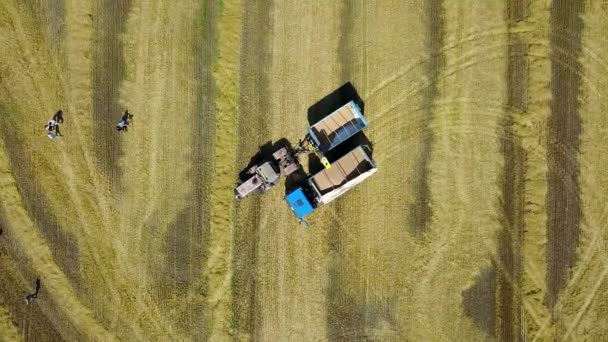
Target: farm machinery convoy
[(326, 185)]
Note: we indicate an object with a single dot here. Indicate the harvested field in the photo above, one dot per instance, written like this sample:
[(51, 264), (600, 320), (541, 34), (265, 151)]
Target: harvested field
[(485, 220)]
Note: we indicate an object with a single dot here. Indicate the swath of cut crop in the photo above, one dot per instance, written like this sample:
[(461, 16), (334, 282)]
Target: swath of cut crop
[(42, 259), (108, 69), (509, 325), (44, 319), (156, 163), (187, 244), (254, 131), (465, 171), (564, 129), (529, 131), (219, 263), (286, 252), (62, 243), (583, 304), (367, 231), (517, 10), (420, 211)]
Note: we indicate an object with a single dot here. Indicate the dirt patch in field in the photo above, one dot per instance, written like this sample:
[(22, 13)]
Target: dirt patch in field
[(564, 129), (108, 68)]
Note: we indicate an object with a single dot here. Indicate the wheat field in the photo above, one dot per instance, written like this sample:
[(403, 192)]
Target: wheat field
[(485, 221)]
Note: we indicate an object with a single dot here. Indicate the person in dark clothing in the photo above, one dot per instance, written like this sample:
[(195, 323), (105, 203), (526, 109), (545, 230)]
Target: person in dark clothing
[(124, 122), (30, 298), (127, 117), (57, 130), (58, 117)]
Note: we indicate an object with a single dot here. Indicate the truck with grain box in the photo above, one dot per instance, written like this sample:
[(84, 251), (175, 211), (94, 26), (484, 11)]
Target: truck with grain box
[(328, 184)]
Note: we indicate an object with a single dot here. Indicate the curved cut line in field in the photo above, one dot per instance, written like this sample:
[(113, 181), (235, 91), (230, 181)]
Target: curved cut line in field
[(450, 71), (473, 130), (83, 32), (447, 110), (456, 127), (445, 48), (461, 67), (71, 181), (42, 257), (586, 303)]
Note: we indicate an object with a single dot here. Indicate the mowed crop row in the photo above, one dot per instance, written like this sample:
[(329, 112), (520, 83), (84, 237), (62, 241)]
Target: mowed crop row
[(119, 224), (582, 303)]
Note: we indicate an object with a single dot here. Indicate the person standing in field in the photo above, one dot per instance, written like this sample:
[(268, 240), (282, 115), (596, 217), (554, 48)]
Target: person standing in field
[(52, 126), (31, 297), (124, 122), (58, 117)]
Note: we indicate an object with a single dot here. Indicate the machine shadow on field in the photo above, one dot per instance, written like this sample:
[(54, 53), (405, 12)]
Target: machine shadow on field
[(333, 101)]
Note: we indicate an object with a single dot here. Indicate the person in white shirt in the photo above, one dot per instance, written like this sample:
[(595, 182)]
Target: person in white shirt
[(124, 122), (50, 127)]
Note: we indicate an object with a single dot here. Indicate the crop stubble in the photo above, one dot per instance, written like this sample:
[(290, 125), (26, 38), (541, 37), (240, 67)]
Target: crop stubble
[(564, 127), (401, 255), (254, 132)]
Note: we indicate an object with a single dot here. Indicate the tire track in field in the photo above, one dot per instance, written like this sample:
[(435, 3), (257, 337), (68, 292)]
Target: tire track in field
[(254, 131), (464, 178), (108, 67), (564, 126)]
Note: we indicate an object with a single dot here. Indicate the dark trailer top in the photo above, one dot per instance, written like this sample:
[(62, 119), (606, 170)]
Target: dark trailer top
[(338, 126)]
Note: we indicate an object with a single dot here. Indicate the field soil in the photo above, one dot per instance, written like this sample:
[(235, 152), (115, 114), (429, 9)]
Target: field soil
[(485, 220)]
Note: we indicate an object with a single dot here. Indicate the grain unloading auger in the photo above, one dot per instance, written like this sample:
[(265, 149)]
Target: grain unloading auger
[(326, 185)]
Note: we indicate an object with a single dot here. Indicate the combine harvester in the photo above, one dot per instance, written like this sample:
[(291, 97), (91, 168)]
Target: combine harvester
[(326, 185)]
